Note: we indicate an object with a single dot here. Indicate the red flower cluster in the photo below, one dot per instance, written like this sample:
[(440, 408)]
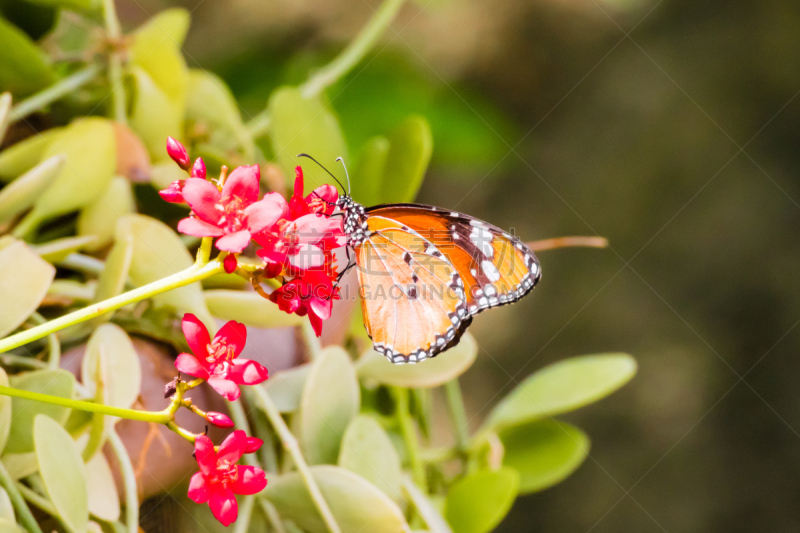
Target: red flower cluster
[(220, 479), (297, 237)]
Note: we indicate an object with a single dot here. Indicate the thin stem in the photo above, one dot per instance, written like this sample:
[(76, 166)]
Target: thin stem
[(83, 263), (240, 420), (10, 359), (129, 481), (118, 101), (355, 51), (312, 341), (160, 417), (403, 415), (24, 515), (53, 93), (53, 344), (260, 124), (194, 273), (568, 242), (37, 499), (458, 414), (245, 514), (291, 446), (272, 515), (5, 108)]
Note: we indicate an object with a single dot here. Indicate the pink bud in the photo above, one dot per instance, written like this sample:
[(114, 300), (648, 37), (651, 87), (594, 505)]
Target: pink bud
[(219, 420), (253, 444), (230, 263), (178, 153), (199, 168), (174, 193)]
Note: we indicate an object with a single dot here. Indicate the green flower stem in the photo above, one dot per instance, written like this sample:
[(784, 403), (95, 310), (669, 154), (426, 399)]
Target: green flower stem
[(24, 515), (403, 415), (291, 446), (240, 421), (83, 263), (115, 62), (196, 272), (272, 515), (458, 414), (355, 51), (53, 93), (128, 479), (37, 500), (160, 417)]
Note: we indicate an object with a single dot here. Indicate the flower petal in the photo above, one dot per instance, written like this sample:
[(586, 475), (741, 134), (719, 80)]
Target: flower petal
[(247, 372), (233, 447), (198, 488), (265, 213), (323, 199), (234, 242), (203, 197), (250, 480), (315, 228), (205, 455), (227, 388), (307, 256), (321, 307), (198, 228), (242, 183), (189, 364), (316, 323), (196, 334), (233, 334), (223, 505)]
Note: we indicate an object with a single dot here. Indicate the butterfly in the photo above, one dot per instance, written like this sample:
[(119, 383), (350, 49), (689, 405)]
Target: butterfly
[(425, 272)]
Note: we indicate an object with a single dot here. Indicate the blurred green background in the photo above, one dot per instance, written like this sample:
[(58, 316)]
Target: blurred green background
[(669, 127)]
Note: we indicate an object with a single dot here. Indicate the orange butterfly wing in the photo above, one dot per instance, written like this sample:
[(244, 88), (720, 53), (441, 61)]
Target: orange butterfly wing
[(412, 296), (495, 267)]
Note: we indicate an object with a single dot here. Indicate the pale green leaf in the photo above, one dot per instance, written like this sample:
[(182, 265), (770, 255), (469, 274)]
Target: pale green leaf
[(154, 116), (367, 175), (434, 372), (24, 280), (8, 526), (103, 496), (22, 193), (356, 504), (5, 412), (157, 50), (59, 249), (330, 400), (410, 148), (6, 509), (25, 155), (306, 125), (249, 308), (20, 465), (286, 387), (115, 272), (425, 507), (99, 219), (563, 387), (63, 473), (544, 452), (479, 501), (111, 352), (53, 382), (24, 68), (368, 451)]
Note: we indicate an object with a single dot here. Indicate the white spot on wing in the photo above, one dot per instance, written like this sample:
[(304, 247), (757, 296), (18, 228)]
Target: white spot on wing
[(490, 271)]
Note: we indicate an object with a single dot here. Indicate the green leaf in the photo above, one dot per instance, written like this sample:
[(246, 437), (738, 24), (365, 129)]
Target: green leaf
[(25, 155), (478, 502), (249, 308), (425, 507), (103, 496), (100, 218), (154, 116), (111, 351), (356, 504), (374, 367), (20, 465), (5, 412), (286, 387), (563, 387), (330, 400), (115, 272), (159, 252), (24, 280), (53, 382), (63, 473), (157, 50), (59, 249), (410, 148), (544, 452), (306, 125), (22, 193), (8, 526), (89, 148), (6, 508), (367, 176), (368, 451), (24, 68)]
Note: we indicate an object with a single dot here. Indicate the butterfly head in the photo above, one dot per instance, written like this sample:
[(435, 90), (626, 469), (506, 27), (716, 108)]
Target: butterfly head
[(355, 220)]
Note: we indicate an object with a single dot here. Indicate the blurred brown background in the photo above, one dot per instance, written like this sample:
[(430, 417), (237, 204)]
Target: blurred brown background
[(669, 127)]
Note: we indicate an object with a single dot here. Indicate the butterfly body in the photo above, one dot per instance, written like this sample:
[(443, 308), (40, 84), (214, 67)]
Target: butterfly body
[(424, 272)]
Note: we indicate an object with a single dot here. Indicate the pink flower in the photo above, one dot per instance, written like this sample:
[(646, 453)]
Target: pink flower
[(301, 243), (312, 293), (322, 200), (220, 479), (235, 213), (219, 420), (178, 153), (217, 361), (199, 168)]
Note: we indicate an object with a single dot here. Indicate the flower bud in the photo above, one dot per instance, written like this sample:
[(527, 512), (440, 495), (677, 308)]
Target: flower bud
[(253, 444), (178, 153), (230, 263), (219, 420), (199, 168), (174, 193)]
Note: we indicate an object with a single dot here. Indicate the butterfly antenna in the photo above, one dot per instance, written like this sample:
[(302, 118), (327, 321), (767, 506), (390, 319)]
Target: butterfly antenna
[(323, 168), (345, 173)]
